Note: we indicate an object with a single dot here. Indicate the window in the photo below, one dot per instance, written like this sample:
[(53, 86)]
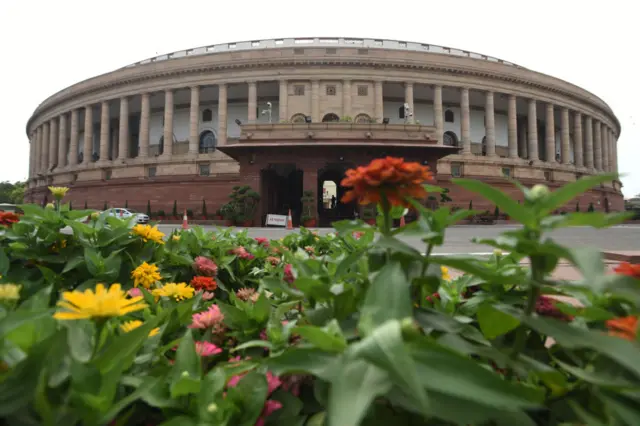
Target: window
[(456, 169), (151, 172), (548, 176), (331, 51), (506, 172), (207, 142), (331, 90), (448, 116), (203, 169), (107, 174), (74, 178), (207, 115), (298, 51), (330, 118), (298, 118), (363, 51), (362, 119), (363, 90), (298, 90), (450, 139)]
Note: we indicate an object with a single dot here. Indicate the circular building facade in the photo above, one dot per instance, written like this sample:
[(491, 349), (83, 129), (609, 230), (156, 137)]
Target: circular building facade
[(291, 115)]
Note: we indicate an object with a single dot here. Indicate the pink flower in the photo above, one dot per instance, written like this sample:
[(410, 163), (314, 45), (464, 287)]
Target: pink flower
[(273, 382), (269, 407), (205, 266), (242, 253), (233, 382), (356, 234), (262, 241), (135, 292), (211, 318), (206, 295), (288, 273), (310, 249), (207, 349), (272, 260)]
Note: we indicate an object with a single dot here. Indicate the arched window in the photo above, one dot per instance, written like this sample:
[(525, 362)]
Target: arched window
[(298, 118), (330, 118), (450, 139), (448, 116), (362, 119), (207, 116), (207, 142)]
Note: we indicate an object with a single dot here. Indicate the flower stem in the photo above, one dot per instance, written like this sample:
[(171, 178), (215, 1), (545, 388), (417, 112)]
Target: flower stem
[(532, 298), (386, 212)]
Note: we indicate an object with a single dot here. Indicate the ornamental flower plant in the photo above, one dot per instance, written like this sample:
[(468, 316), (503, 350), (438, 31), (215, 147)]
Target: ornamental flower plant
[(99, 304), (145, 275)]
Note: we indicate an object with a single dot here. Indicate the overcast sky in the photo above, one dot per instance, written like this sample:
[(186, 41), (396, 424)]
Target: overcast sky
[(49, 45)]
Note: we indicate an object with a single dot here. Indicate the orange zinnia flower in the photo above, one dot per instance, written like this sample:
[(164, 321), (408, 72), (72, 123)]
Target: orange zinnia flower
[(390, 176), (203, 283), (625, 327), (8, 218), (626, 268)]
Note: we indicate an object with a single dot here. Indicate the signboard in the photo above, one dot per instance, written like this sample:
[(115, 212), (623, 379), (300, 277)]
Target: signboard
[(276, 220)]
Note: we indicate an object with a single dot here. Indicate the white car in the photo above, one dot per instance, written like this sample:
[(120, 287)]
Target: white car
[(127, 214)]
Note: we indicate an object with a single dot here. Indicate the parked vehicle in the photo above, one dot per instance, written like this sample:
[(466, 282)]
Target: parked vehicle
[(10, 208), (128, 213)]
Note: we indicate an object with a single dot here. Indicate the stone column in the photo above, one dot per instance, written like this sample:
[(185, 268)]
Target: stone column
[(123, 129), (104, 132), (597, 132), (73, 139), (53, 143), (315, 101), (565, 149), (588, 149), (38, 152), (550, 135), (378, 108), (533, 131), (167, 150), (62, 141), (408, 99), (490, 125), (346, 98), (437, 113), (310, 183), (194, 120), (578, 155), (88, 135), (44, 154), (32, 144), (613, 152), (283, 101), (145, 115), (253, 102), (465, 124), (605, 148), (222, 114), (513, 127)]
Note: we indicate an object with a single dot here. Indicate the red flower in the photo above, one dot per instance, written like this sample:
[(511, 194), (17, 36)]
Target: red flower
[(205, 266), (203, 283), (242, 253), (262, 241), (433, 298), (546, 307), (390, 176), (288, 273), (626, 268), (8, 218), (625, 327)]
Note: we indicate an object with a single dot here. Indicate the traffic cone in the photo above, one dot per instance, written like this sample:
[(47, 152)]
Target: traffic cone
[(121, 214), (289, 221), (185, 223), (402, 223)]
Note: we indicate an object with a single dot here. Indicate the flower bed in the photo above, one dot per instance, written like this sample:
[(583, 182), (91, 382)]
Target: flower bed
[(119, 324)]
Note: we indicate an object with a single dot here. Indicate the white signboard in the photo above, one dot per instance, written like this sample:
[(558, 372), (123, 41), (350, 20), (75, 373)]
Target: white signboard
[(276, 220)]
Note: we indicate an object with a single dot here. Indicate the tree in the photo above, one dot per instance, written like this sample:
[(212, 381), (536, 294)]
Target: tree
[(496, 212), (578, 206), (12, 193), (471, 205), (85, 205), (204, 208), (444, 196), (591, 209), (126, 204), (105, 208), (148, 208), (70, 206), (174, 213)]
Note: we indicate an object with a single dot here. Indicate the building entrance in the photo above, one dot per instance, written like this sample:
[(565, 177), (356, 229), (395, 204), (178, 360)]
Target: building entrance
[(330, 208), (282, 190)]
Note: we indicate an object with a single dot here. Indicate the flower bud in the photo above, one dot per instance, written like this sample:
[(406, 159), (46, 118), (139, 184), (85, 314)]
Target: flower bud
[(538, 192), (185, 374), (410, 329), (49, 206), (212, 408), (497, 252)]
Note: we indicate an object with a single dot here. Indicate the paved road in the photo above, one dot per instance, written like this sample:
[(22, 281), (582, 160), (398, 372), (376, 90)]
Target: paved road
[(458, 239)]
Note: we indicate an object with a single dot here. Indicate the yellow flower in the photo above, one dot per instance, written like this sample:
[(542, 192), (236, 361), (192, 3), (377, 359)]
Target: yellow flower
[(178, 291), (445, 273), (176, 238), (50, 206), (58, 191), (9, 291), (145, 275), (132, 325), (149, 233), (112, 302)]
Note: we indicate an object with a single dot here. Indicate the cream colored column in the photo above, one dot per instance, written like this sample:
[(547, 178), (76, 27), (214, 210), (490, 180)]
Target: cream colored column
[(62, 142), (88, 135), (490, 125), (550, 135), (167, 150), (437, 113), (73, 139), (145, 115), (613, 154), (44, 159), (465, 124), (408, 99), (565, 149), (104, 132), (32, 144), (588, 148), (597, 132), (605, 148), (346, 98), (315, 101), (578, 155), (222, 114), (194, 120), (38, 153), (533, 131), (53, 143), (283, 101), (253, 102), (513, 127), (123, 129), (378, 102)]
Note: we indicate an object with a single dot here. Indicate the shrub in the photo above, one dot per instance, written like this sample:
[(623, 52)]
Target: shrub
[(161, 213), (174, 212), (189, 213), (354, 327), (590, 208), (204, 208), (104, 207), (577, 206), (148, 208)]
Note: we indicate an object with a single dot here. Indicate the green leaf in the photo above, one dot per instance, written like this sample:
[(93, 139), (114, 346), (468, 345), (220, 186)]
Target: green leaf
[(319, 363), (277, 286), (348, 262), (261, 309), (314, 288), (187, 370), (233, 317), (493, 322), (254, 390), (148, 384), (210, 390), (568, 192), (594, 219), (506, 204), (80, 339), (388, 297), (180, 421), (395, 244), (4, 262), (353, 390), (321, 338)]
